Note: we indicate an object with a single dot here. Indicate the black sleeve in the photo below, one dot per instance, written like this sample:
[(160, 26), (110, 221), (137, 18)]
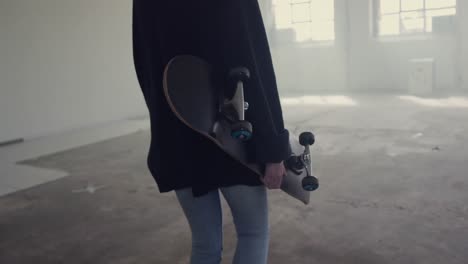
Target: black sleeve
[(270, 140)]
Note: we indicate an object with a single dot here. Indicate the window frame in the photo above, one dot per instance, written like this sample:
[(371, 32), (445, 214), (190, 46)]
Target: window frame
[(401, 33), (310, 42)]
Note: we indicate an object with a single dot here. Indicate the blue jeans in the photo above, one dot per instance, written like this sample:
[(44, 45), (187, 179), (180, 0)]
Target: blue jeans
[(249, 208)]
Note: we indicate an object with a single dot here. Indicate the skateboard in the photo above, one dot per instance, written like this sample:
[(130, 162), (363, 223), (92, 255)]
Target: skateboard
[(193, 97)]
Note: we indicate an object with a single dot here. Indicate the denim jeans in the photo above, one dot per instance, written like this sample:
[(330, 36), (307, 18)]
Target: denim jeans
[(249, 208)]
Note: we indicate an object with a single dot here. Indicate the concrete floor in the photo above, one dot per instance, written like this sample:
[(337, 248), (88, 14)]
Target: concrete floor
[(394, 189), (15, 177)]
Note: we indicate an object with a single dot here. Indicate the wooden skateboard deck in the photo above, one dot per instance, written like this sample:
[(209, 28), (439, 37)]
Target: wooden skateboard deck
[(192, 97)]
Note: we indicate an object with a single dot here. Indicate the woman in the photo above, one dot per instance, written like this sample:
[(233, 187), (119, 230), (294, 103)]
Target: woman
[(227, 34)]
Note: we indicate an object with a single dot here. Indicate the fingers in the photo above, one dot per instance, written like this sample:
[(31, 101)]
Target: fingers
[(272, 181), (274, 173)]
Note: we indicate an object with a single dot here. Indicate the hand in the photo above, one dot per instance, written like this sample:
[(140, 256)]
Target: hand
[(274, 173)]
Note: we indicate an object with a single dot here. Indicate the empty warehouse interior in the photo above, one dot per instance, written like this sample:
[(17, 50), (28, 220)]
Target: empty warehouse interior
[(383, 85)]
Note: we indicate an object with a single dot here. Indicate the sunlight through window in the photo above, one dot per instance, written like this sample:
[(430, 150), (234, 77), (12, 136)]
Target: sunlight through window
[(310, 20), (337, 100), (450, 102), (397, 17)]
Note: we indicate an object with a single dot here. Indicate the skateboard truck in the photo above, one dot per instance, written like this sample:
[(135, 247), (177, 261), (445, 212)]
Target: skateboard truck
[(234, 108), (297, 164)]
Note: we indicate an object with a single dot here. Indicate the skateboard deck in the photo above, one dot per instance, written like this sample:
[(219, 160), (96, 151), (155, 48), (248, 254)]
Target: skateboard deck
[(192, 97)]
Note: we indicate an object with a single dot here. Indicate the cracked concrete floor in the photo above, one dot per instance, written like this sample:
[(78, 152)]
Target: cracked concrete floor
[(394, 189)]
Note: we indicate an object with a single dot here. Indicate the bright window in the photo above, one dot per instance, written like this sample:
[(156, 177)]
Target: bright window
[(398, 17), (311, 20)]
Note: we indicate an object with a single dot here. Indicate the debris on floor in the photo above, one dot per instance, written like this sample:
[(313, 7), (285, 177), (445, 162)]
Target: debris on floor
[(89, 189), (436, 148)]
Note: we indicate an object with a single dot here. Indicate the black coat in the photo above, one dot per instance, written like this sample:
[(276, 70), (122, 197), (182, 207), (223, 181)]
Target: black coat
[(227, 34)]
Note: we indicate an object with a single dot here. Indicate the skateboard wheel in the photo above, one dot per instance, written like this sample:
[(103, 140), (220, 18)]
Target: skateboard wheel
[(242, 130), (239, 74), (310, 183), (306, 139)]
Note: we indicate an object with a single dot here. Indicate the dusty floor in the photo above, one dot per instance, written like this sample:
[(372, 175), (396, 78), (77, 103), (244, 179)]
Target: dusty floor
[(394, 189)]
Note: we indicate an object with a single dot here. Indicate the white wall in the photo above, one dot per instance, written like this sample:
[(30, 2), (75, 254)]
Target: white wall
[(309, 67), (382, 64), (65, 64), (301, 70), (267, 15), (463, 29), (358, 61)]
